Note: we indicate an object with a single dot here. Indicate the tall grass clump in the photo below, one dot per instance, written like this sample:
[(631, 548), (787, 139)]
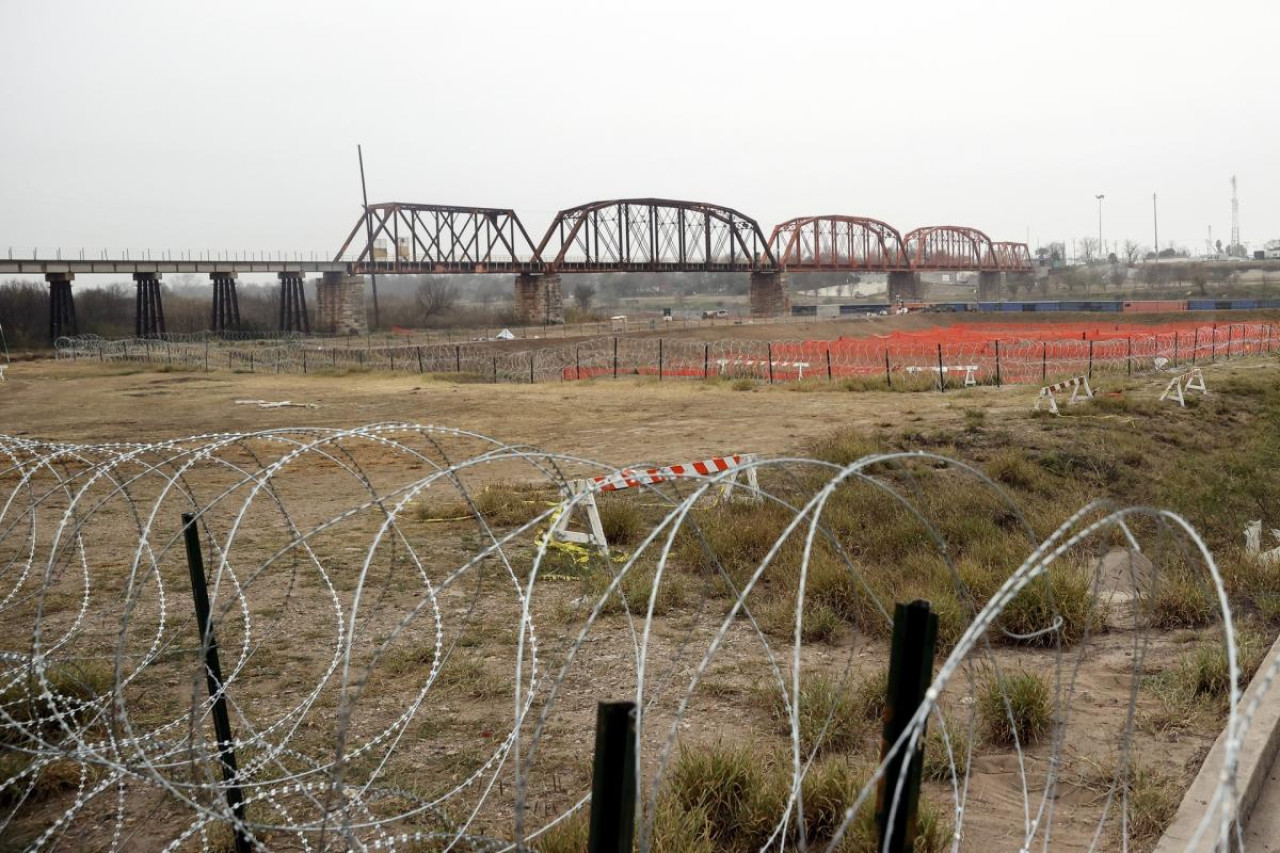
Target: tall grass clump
[(1016, 707)]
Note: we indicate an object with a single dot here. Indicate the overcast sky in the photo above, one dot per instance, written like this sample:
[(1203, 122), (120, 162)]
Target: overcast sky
[(234, 124)]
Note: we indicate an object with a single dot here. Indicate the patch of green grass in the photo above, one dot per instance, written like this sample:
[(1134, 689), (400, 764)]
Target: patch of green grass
[(637, 587), (1011, 467), (1063, 595), (1016, 707), (845, 445), (938, 764), (827, 716), (742, 384), (737, 793)]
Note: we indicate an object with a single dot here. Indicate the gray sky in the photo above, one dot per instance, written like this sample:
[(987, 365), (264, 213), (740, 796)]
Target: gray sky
[(234, 124)]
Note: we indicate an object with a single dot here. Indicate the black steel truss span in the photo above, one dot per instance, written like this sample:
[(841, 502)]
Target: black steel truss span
[(654, 235)]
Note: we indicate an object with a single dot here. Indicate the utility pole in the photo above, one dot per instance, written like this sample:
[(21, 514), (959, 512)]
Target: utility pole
[(1155, 226), (1100, 197)]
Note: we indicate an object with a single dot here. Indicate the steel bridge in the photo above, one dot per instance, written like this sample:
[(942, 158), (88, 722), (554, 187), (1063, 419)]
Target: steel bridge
[(615, 236)]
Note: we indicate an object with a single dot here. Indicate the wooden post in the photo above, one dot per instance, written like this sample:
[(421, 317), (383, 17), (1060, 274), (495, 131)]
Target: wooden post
[(828, 362), (1090, 359), (770, 353), (615, 357), (942, 377), (998, 363), (659, 359)]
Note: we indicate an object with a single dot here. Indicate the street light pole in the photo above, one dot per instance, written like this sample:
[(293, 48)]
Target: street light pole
[(1101, 250)]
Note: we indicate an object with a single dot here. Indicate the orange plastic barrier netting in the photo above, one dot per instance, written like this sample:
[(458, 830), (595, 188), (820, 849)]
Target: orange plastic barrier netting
[(1023, 352)]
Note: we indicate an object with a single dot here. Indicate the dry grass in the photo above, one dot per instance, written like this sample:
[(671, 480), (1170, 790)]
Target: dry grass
[(1016, 708)]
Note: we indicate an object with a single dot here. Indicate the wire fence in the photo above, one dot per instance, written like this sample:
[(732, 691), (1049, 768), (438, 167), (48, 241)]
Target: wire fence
[(409, 661), (949, 357)]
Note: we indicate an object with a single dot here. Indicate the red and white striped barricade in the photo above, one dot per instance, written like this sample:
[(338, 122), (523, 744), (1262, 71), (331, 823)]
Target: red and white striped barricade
[(1192, 380), (729, 467), (1075, 383)]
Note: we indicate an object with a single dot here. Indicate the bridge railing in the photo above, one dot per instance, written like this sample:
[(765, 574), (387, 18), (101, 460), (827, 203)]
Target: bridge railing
[(132, 253)]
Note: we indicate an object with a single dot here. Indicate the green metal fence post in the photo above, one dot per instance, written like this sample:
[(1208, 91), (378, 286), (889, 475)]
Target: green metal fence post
[(915, 632), (613, 779), (213, 677)]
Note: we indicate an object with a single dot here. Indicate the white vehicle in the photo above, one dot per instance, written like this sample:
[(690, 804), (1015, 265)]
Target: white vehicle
[(1271, 251)]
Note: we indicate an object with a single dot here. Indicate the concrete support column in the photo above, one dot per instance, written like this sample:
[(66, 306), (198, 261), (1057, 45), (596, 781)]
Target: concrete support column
[(989, 286), (769, 294), (340, 304), (293, 303), (539, 299), (905, 286), (149, 311), (62, 308), (226, 305)]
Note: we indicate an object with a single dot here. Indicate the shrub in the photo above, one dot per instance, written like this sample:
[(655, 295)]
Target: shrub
[(1016, 708)]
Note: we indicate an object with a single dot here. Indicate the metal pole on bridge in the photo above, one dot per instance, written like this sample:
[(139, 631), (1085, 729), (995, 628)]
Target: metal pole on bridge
[(368, 223)]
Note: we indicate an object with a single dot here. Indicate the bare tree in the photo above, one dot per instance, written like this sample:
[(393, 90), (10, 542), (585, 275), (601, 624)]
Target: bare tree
[(1132, 251), (437, 295), (1088, 248), (584, 295)]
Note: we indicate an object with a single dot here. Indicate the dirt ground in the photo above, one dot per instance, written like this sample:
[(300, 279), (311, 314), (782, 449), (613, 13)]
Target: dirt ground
[(621, 422)]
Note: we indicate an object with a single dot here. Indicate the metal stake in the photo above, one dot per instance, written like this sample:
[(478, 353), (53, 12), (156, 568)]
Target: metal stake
[(915, 632), (613, 779), (213, 675)]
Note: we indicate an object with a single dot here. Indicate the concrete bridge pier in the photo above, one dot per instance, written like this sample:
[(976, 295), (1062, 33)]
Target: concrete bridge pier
[(905, 286), (293, 303), (539, 299), (226, 306), (990, 286), (340, 304), (149, 311), (62, 308), (770, 296)]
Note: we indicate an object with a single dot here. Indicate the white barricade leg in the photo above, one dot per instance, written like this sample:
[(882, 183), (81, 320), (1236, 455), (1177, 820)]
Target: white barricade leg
[(969, 378), (595, 533), (1195, 381), (1088, 392), (728, 487)]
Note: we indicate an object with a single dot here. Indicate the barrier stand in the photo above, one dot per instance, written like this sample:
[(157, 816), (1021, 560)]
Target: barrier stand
[(630, 479), (1192, 380), (213, 675), (1075, 383), (915, 632)]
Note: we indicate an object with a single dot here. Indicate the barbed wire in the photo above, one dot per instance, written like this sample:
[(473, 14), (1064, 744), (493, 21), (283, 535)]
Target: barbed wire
[(410, 658)]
